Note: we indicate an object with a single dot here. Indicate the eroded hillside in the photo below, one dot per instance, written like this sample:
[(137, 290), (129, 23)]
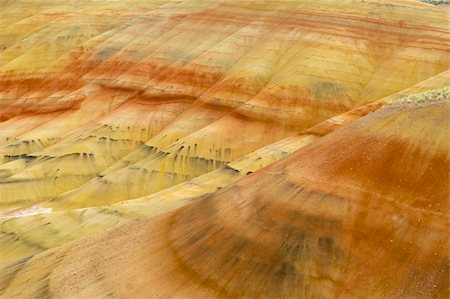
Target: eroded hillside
[(270, 148)]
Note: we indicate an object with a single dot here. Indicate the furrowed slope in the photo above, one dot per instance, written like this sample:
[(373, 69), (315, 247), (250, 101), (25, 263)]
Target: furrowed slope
[(354, 221), (21, 237), (201, 70), (170, 114)]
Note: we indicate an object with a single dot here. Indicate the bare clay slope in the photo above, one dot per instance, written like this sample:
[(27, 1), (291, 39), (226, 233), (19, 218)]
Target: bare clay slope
[(121, 111), (133, 99), (352, 215), (21, 237)]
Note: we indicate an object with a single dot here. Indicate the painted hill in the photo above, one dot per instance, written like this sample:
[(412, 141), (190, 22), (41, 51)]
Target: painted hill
[(378, 227), (268, 148)]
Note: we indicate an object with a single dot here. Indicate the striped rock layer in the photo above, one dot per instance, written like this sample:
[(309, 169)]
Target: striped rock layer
[(245, 126)]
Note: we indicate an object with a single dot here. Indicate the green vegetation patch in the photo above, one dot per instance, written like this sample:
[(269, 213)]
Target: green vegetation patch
[(434, 95), (437, 2)]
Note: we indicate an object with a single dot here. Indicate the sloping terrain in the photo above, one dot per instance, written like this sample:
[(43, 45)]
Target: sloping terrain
[(24, 236), (378, 227), (175, 113)]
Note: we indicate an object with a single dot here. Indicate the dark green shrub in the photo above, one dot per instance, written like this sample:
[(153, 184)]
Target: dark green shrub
[(437, 2)]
